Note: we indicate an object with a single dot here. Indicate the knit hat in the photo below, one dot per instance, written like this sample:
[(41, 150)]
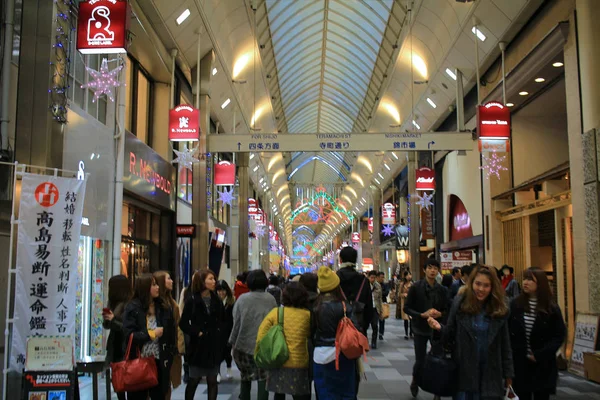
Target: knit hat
[(328, 280)]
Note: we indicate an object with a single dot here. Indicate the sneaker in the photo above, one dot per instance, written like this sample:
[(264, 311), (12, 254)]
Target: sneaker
[(414, 389), (218, 378), (380, 337), (229, 374)]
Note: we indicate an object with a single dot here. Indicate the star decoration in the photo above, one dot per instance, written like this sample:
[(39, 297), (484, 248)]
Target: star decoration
[(425, 201), (387, 230), (185, 158), (260, 231), (493, 165), (225, 197), (103, 81)]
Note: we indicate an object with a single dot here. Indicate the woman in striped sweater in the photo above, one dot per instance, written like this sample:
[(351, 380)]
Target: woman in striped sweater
[(537, 332)]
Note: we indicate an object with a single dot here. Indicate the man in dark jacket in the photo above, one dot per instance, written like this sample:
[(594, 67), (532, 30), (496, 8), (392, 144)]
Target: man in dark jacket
[(385, 291), (465, 271), (426, 298), (351, 283)]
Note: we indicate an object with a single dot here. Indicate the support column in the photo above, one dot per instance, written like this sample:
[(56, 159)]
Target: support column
[(264, 241), (243, 178), (413, 213), (376, 194)]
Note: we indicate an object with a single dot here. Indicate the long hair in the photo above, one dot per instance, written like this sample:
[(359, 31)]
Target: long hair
[(406, 273), (545, 301), (223, 285), (495, 304), (198, 285), (164, 294), (119, 291), (143, 283)]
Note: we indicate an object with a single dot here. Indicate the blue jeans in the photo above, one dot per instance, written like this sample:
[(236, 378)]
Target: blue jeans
[(336, 385)]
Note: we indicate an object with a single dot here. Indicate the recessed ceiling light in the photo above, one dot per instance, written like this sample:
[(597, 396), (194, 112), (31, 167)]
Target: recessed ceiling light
[(386, 166), (431, 103), (251, 156), (510, 105), (523, 93), (479, 34), (557, 64), (540, 80), (214, 71), (381, 176), (225, 103), (416, 125), (184, 15), (255, 169), (451, 73), (379, 183)]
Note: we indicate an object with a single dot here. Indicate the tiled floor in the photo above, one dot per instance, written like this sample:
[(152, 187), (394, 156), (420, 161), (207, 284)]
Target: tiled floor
[(388, 375)]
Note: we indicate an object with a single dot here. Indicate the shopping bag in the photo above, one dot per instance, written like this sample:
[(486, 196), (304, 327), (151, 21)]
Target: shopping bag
[(272, 350), (438, 374), (385, 311), (134, 375), (510, 394)]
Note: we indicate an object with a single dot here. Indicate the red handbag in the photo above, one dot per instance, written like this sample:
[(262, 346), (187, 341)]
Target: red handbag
[(134, 375)]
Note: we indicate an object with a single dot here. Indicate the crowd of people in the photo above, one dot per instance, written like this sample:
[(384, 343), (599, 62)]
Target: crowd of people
[(499, 336)]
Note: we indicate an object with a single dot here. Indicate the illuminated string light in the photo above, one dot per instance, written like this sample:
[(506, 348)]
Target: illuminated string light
[(225, 197), (387, 230), (494, 165), (104, 81), (61, 62), (186, 158), (425, 201)]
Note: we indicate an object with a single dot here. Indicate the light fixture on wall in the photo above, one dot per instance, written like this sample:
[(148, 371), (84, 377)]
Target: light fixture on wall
[(401, 256), (184, 15)]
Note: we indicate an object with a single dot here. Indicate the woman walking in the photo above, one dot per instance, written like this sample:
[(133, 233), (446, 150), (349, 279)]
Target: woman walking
[(226, 296), (248, 313), (478, 328), (292, 378), (331, 383), (119, 292), (147, 321), (173, 337), (404, 287), (202, 320), (537, 331)]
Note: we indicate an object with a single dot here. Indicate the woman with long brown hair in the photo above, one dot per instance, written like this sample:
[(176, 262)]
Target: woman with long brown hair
[(173, 335), (478, 328), (403, 288), (537, 331)]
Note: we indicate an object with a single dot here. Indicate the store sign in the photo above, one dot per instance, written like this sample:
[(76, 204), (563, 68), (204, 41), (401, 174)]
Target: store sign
[(102, 26), (147, 174), (224, 174), (252, 208), (370, 225), (47, 250), (494, 145), (426, 224), (355, 237), (493, 121), (402, 237), (184, 124), (425, 179), (460, 222), (44, 385), (453, 259), (186, 230), (388, 214)]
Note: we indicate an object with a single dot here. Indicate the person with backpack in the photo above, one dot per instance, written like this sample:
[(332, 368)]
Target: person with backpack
[(292, 377), (335, 375), (356, 288), (274, 288)]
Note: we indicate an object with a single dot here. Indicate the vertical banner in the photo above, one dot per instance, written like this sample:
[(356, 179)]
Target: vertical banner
[(47, 249), (388, 214)]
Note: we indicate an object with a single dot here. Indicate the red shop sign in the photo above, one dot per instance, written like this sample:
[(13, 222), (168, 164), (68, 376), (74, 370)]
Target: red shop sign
[(252, 208), (388, 214), (355, 237), (425, 178), (184, 124), (102, 26), (370, 225), (186, 230), (460, 222), (224, 174), (493, 121)]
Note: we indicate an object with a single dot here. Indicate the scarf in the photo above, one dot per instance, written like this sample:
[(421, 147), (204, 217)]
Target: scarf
[(347, 264), (506, 280)]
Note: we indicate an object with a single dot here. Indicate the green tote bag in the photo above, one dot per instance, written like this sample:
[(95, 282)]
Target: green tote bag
[(272, 351)]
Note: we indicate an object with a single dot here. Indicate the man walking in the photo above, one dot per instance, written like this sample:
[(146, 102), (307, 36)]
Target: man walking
[(426, 298), (377, 304), (356, 288), (385, 291)]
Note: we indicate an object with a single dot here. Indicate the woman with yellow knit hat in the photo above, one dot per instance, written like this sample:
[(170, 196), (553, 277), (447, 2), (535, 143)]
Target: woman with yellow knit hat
[(330, 383), (292, 378)]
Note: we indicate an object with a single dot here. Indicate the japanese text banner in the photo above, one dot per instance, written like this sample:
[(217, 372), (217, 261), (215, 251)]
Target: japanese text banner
[(47, 252)]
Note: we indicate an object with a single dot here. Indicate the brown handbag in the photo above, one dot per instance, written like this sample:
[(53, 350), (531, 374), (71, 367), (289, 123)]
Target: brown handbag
[(134, 375)]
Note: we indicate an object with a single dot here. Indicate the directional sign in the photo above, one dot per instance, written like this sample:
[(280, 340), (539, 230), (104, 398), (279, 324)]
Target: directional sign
[(273, 142)]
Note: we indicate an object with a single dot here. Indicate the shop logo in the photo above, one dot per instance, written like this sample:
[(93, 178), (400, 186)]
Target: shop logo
[(81, 171), (46, 194), (102, 26), (99, 32)]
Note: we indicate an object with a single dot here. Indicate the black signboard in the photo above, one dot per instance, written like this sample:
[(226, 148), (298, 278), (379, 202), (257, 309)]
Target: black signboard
[(49, 385), (147, 174)]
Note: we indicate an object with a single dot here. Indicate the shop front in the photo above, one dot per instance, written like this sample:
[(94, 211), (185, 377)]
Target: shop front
[(148, 217)]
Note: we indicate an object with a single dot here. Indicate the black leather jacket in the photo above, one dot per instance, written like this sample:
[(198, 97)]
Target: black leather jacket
[(326, 318)]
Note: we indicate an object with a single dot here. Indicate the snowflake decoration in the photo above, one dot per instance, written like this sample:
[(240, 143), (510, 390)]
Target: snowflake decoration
[(425, 201), (225, 197), (260, 231), (186, 158), (103, 81), (387, 230), (493, 165)]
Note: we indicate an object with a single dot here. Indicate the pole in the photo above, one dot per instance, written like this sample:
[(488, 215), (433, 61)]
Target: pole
[(119, 167), (173, 66), (6, 66), (413, 235), (243, 178)]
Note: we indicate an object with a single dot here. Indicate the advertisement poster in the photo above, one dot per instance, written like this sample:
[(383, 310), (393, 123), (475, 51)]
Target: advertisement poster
[(456, 258), (55, 385)]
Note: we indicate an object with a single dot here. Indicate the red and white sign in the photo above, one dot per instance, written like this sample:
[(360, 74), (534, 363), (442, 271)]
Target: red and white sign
[(388, 214), (425, 178), (370, 226), (46, 194), (355, 237), (458, 258), (252, 208), (460, 222), (494, 145), (493, 121), (224, 174), (184, 124), (186, 230), (102, 26)]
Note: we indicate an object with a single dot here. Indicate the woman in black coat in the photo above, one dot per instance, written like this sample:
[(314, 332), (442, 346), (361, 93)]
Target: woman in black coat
[(202, 320), (226, 296), (537, 332)]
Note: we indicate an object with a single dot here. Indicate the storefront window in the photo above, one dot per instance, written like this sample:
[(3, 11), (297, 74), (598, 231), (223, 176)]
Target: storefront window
[(78, 76), (138, 101), (143, 105)]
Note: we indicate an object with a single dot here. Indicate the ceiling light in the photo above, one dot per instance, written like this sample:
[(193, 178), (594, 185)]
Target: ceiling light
[(395, 156), (540, 80), (386, 166), (392, 110), (420, 65), (240, 64), (214, 71), (510, 105), (381, 176), (557, 64), (255, 169), (415, 124), (261, 180), (225, 104), (431, 103), (450, 73), (184, 15), (379, 183), (479, 34), (251, 156), (523, 93)]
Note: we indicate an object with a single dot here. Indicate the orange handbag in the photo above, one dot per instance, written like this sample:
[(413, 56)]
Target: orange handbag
[(134, 375)]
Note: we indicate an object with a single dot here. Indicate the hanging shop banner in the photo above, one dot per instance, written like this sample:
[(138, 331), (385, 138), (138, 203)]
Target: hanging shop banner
[(493, 121), (494, 145), (453, 259), (388, 214), (370, 225), (224, 174), (425, 179), (102, 26), (426, 224), (184, 124), (355, 237), (252, 208), (47, 252)]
